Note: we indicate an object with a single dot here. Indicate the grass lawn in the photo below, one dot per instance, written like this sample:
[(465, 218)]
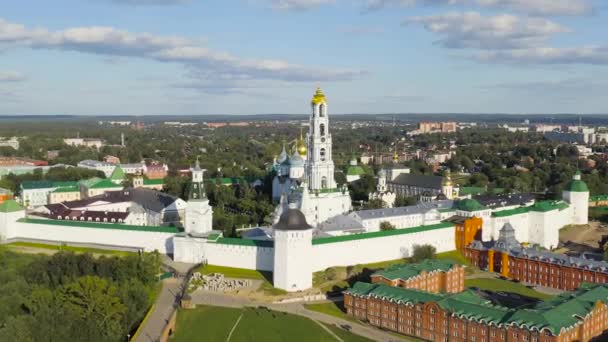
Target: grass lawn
[(68, 248), (335, 309), (231, 272), (505, 286), (454, 256), (209, 323)]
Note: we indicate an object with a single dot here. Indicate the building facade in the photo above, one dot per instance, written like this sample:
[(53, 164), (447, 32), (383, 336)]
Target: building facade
[(434, 276), (533, 265), (578, 316)]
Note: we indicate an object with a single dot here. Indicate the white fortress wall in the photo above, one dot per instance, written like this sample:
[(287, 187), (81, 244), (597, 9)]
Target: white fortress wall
[(250, 257), (147, 240), (520, 223), (376, 249)]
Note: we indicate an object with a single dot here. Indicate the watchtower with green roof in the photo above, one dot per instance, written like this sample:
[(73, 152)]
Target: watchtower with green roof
[(199, 214), (577, 194)]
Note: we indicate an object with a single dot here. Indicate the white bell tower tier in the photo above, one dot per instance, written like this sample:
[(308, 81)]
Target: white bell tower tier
[(577, 194), (199, 214), (292, 252), (320, 163)]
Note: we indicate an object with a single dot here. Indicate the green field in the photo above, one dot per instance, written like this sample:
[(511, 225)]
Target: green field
[(335, 309), (210, 323), (68, 248), (230, 272), (495, 285)]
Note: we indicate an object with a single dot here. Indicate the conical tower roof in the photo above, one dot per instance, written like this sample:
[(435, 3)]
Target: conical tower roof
[(118, 174)]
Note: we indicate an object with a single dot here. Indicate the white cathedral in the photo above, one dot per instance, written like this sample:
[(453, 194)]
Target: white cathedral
[(305, 180)]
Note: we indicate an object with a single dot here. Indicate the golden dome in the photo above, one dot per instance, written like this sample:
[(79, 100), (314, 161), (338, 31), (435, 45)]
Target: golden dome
[(395, 157), (318, 97), (447, 180), (302, 150)]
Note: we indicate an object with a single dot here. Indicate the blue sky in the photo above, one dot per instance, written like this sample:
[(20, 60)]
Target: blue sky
[(148, 57)]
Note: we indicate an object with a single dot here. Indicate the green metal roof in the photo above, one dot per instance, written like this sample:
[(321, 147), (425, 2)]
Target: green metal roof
[(384, 233), (544, 206), (159, 181), (560, 312), (541, 206), (32, 185), (214, 236), (511, 212), (100, 184), (355, 170), (118, 174), (10, 206), (598, 198), (577, 186), (244, 242), (84, 224), (73, 188), (406, 271), (469, 205)]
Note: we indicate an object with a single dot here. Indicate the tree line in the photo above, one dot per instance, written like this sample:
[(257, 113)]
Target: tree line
[(74, 297)]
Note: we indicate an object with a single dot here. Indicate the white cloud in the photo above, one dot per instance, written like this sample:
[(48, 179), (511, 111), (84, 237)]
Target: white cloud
[(535, 7), (112, 42), (299, 4), (597, 55), (11, 76), (472, 30), (507, 39)]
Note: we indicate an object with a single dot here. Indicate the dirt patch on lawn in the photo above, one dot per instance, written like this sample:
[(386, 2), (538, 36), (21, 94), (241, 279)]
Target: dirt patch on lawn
[(583, 238)]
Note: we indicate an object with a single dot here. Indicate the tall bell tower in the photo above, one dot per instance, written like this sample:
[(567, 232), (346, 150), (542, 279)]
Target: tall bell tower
[(199, 214), (320, 165)]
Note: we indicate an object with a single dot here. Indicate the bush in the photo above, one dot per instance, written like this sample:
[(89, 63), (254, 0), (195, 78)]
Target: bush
[(423, 252), (386, 226), (331, 274)]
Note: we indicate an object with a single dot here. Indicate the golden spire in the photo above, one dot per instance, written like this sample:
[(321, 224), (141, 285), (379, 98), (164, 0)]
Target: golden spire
[(318, 97), (302, 150), (447, 180)]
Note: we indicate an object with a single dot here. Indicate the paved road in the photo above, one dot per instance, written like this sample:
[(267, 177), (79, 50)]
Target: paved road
[(166, 303)]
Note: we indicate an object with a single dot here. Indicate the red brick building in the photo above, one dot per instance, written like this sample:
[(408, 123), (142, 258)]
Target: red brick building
[(534, 266), (466, 316), (433, 276), (156, 171)]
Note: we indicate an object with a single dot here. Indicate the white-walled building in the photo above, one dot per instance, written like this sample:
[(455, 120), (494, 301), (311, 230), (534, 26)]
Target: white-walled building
[(106, 168), (382, 193)]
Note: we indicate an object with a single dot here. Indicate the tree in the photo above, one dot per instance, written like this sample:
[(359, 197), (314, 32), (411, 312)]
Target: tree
[(385, 225), (402, 201), (374, 204), (96, 301), (423, 252)]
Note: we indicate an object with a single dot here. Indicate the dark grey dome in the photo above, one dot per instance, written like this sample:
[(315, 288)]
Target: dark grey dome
[(292, 219)]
